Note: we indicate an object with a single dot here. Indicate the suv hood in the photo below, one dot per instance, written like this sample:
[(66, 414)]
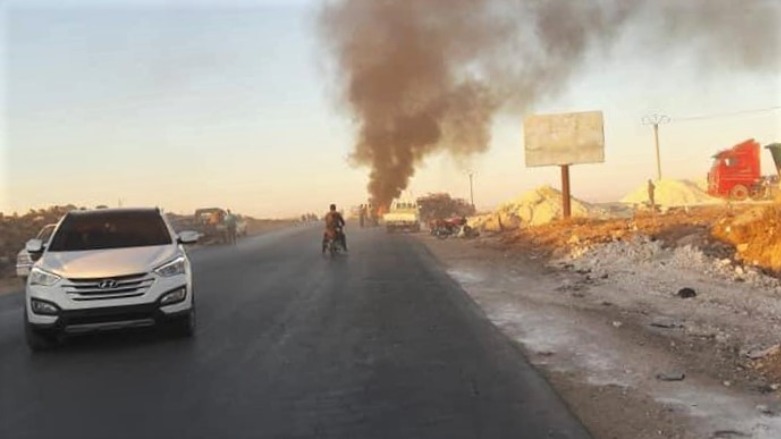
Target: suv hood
[(108, 262)]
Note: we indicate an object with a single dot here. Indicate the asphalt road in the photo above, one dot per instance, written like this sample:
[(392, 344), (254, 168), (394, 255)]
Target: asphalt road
[(376, 344)]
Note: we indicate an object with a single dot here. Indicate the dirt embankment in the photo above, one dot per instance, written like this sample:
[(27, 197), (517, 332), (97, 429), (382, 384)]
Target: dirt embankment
[(748, 235)]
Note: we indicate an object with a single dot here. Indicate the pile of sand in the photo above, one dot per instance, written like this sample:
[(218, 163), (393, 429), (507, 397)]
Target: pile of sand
[(539, 206), (671, 193)]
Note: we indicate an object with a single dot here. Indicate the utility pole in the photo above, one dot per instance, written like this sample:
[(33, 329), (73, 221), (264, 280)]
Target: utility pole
[(655, 120)]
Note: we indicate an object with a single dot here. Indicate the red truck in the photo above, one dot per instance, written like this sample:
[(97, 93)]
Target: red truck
[(737, 172)]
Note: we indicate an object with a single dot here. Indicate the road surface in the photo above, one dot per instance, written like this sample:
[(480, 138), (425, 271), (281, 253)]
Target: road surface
[(377, 344)]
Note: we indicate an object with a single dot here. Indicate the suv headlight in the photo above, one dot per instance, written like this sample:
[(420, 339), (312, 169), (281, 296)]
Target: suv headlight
[(173, 268), (43, 277)]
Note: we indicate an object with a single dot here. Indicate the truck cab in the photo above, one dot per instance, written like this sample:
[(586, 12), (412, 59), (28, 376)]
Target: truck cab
[(736, 172)]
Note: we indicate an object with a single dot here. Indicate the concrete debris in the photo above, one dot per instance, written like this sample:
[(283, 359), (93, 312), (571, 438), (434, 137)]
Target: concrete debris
[(729, 434), (666, 323), (756, 354), (671, 376), (642, 254), (768, 409)]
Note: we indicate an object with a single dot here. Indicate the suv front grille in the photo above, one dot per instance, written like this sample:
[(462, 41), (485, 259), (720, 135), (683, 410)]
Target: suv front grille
[(120, 287)]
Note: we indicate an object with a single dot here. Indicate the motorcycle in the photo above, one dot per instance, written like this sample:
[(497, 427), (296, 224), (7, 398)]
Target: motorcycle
[(333, 245), (443, 229)]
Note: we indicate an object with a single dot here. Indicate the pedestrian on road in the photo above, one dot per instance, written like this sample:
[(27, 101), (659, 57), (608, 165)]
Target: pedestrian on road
[(362, 215), (230, 224)]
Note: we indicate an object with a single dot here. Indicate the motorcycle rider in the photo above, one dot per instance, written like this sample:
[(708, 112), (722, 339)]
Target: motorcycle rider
[(334, 225)]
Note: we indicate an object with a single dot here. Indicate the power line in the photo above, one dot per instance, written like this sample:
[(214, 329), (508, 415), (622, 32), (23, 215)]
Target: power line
[(720, 115)]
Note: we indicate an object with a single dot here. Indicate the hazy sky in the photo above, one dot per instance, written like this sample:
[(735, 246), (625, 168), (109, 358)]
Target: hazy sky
[(186, 104)]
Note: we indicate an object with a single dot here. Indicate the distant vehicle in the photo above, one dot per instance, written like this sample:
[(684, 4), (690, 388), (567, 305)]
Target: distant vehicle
[(403, 215), (206, 226), (108, 269), (737, 172), (203, 224), (24, 261)]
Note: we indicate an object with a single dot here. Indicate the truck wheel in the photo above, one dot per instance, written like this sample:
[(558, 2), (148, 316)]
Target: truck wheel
[(739, 192)]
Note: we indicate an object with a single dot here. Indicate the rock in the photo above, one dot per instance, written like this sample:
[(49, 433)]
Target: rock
[(686, 293), (727, 383), (666, 323), (729, 434), (770, 410), (671, 376), (693, 240), (756, 354), (617, 324)]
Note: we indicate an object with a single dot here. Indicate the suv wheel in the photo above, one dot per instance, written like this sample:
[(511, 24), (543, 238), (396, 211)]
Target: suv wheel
[(36, 339), (185, 326)]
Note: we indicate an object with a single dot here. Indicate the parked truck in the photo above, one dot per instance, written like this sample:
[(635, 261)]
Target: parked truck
[(403, 215), (736, 173)]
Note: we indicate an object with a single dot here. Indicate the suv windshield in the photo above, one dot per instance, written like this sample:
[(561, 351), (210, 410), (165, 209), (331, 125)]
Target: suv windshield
[(95, 231)]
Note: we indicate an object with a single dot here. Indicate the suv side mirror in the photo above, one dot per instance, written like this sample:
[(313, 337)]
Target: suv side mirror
[(34, 247), (188, 237)]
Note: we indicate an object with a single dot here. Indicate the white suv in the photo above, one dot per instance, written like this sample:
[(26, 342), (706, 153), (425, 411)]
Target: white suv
[(108, 269)]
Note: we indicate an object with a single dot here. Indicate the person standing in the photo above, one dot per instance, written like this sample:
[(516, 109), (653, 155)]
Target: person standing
[(652, 194), (230, 225), (362, 215)]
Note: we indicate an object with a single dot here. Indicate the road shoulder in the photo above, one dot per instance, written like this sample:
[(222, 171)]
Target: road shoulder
[(604, 354), (10, 285)]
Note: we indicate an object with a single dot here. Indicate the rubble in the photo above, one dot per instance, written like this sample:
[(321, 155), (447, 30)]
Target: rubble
[(671, 376)]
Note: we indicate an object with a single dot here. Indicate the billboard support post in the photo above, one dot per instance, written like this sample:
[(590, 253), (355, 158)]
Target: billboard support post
[(566, 196), (564, 140)]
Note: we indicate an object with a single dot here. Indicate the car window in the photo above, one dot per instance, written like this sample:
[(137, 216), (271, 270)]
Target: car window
[(46, 233), (110, 230)]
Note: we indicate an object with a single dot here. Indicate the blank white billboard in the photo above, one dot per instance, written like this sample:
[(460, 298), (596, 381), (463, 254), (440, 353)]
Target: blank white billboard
[(564, 139)]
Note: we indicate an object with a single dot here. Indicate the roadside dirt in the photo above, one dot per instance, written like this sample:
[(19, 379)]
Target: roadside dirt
[(631, 358)]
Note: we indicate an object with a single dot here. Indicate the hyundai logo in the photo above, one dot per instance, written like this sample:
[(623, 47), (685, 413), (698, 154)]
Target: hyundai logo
[(107, 283)]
